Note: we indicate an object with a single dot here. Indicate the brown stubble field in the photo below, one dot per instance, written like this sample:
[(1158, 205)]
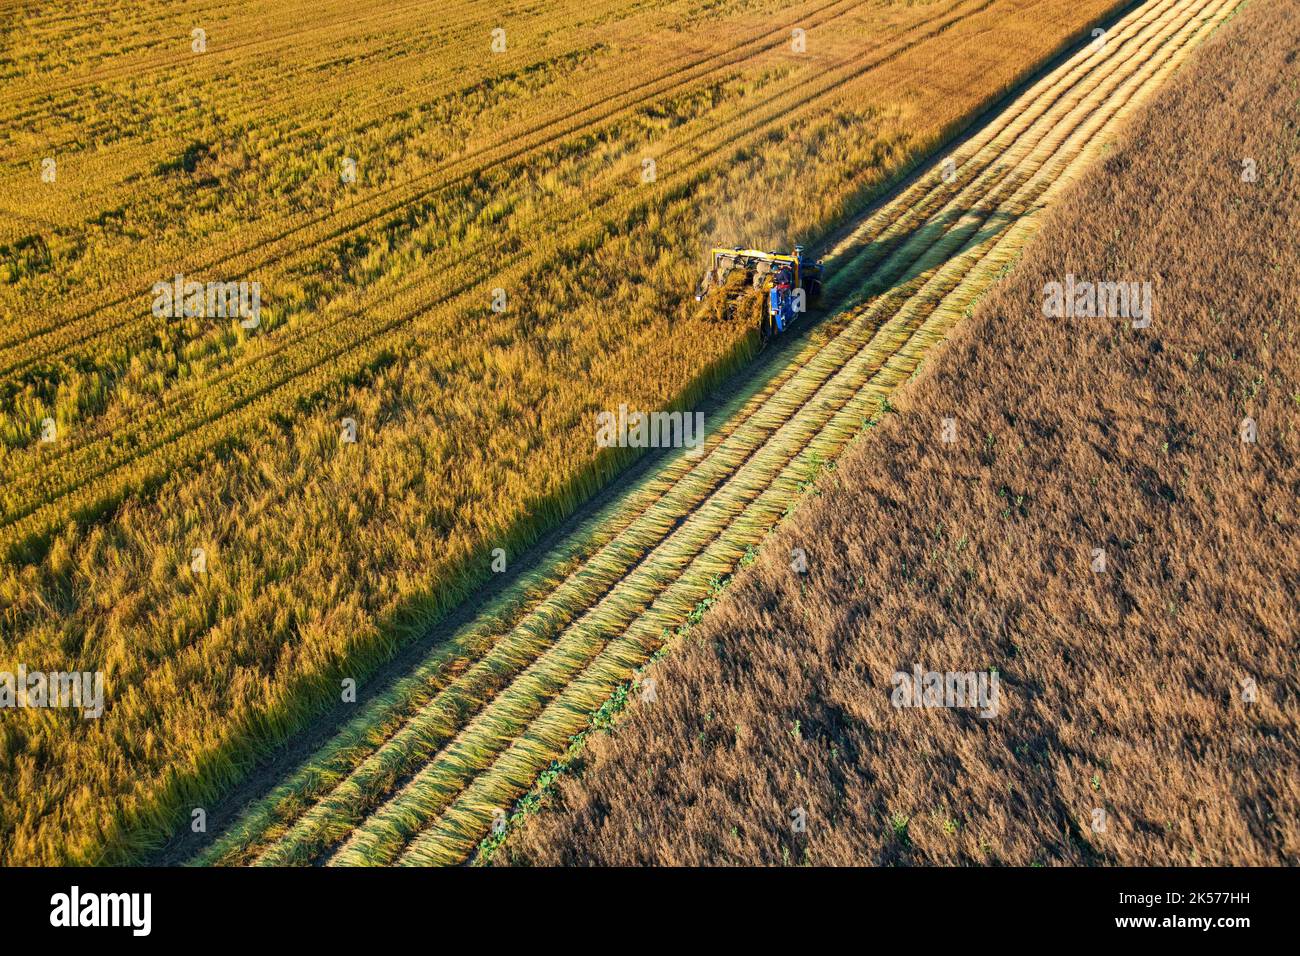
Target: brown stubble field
[(1162, 691)]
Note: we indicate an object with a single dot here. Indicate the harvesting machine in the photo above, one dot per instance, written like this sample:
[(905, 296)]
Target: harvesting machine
[(785, 283)]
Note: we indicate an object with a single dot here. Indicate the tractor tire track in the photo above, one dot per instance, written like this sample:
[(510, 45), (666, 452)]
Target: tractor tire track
[(287, 31)]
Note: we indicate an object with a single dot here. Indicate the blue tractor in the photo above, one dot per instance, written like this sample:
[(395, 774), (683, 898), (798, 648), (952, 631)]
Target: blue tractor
[(786, 282)]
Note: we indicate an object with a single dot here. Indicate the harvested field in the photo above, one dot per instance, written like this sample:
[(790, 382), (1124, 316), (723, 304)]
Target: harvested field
[(422, 776), (1101, 531)]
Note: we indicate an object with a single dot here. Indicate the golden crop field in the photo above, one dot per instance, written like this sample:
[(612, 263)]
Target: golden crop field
[(471, 231)]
